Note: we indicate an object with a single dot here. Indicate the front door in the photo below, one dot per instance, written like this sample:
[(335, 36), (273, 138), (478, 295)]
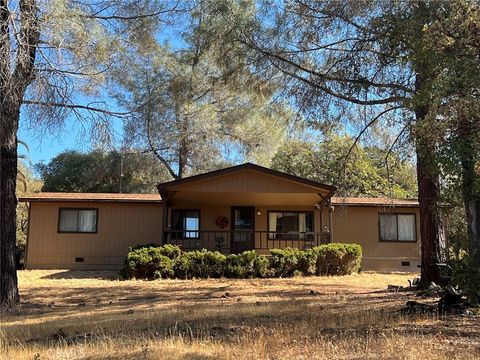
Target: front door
[(243, 226)]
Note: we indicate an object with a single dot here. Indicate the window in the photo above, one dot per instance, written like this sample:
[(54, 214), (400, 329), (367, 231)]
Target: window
[(397, 227), (290, 224), (77, 220), (185, 224)]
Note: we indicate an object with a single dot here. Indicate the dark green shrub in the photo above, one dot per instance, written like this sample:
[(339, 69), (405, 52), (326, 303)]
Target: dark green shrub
[(307, 263), (261, 267), (182, 266), (170, 251), (144, 262), (352, 260), (164, 268), (200, 264), (285, 261), (152, 262), (466, 276), (214, 263), (141, 246), (233, 269), (338, 258), (246, 265), (297, 273)]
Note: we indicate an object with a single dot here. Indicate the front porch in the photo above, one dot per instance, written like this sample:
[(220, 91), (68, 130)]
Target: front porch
[(246, 207)]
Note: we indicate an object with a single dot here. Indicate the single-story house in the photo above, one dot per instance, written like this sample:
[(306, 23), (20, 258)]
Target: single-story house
[(244, 207)]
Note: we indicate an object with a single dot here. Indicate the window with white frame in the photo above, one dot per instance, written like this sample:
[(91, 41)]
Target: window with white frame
[(397, 227), (77, 220)]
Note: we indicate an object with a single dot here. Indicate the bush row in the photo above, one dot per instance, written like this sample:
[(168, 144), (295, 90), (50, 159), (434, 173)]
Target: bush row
[(168, 261)]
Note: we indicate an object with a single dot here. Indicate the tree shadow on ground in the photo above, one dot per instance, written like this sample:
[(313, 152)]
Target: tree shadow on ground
[(84, 274)]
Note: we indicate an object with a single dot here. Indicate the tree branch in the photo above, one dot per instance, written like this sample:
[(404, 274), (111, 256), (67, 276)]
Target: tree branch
[(370, 123), (323, 76), (329, 91), (76, 107), (129, 18), (27, 46)]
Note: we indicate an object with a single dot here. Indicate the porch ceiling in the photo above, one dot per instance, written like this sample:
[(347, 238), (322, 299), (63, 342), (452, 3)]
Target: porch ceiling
[(251, 198)]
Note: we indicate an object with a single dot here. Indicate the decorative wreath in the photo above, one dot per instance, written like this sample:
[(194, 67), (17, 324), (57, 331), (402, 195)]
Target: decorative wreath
[(221, 222)]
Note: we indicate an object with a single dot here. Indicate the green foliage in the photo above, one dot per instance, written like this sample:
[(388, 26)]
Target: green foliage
[(163, 268), (328, 259), (26, 184), (147, 263), (141, 246), (199, 264), (466, 275), (338, 258), (307, 262), (204, 94), (170, 251), (285, 261), (152, 262), (246, 265), (181, 267), (99, 171), (364, 173)]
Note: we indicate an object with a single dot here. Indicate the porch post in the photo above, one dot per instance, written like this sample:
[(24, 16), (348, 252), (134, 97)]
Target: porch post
[(164, 225), (165, 198), (330, 218)]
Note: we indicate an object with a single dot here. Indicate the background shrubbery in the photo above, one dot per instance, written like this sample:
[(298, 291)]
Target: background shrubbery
[(168, 261)]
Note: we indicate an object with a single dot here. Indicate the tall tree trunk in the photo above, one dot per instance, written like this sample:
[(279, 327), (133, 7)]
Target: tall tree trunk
[(433, 241), (183, 148), (9, 116), (13, 84)]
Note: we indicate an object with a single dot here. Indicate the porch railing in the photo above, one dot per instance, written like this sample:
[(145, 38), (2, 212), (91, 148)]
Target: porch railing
[(241, 240)]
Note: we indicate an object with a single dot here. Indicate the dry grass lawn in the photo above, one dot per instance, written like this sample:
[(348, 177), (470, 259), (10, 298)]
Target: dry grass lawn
[(91, 315)]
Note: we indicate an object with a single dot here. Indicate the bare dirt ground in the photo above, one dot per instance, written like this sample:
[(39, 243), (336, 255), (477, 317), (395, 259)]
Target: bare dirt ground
[(92, 315)]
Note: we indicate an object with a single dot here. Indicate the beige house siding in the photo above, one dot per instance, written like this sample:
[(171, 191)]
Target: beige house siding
[(119, 226), (355, 224), (247, 181)]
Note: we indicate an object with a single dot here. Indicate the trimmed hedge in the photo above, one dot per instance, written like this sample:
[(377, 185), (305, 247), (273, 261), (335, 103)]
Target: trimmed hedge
[(147, 263), (246, 265), (168, 261)]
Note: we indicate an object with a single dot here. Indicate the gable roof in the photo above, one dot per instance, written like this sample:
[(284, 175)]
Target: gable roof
[(91, 197), (247, 166)]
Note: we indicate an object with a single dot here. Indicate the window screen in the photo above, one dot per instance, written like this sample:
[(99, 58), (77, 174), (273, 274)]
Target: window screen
[(78, 220)]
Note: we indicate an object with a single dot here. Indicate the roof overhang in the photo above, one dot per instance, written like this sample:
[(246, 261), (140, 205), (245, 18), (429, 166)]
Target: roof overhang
[(374, 202), (91, 198)]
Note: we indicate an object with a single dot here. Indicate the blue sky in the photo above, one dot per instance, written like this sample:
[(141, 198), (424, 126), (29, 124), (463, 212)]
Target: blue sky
[(43, 144), (43, 147)]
